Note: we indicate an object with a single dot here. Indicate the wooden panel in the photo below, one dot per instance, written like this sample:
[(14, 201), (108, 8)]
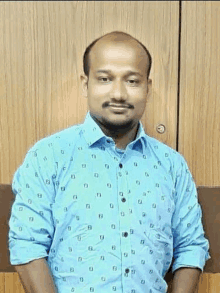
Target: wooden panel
[(2, 283), (39, 76), (13, 283), (209, 283), (41, 49), (199, 133)]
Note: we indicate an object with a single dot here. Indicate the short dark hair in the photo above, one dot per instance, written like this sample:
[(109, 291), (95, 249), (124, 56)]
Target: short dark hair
[(86, 59)]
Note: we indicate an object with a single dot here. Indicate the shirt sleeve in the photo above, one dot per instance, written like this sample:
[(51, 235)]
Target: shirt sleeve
[(189, 242), (31, 226)]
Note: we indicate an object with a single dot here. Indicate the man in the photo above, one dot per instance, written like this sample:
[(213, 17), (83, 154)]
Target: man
[(101, 206)]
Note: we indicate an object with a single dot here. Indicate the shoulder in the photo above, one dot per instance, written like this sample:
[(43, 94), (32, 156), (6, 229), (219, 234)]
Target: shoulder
[(159, 147), (49, 151), (58, 141), (169, 157)]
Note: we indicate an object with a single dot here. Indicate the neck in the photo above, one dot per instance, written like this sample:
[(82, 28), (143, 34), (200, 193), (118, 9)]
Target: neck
[(122, 141), (121, 136)]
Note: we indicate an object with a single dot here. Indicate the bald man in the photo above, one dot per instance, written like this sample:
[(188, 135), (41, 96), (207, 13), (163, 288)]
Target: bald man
[(102, 206)]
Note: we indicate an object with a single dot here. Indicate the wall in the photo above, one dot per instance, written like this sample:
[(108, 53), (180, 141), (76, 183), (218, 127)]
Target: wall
[(199, 103), (42, 46)]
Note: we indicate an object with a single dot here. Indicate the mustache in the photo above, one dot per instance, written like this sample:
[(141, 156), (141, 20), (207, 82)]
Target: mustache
[(107, 104)]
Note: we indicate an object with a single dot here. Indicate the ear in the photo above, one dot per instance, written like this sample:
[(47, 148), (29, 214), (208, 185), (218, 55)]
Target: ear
[(84, 84), (149, 86)]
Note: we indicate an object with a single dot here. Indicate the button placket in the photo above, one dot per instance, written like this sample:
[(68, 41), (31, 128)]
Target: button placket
[(124, 217)]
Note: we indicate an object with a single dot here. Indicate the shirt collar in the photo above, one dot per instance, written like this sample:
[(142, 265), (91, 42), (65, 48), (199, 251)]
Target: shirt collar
[(93, 133)]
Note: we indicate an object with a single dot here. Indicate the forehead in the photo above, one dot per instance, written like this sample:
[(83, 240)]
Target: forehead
[(121, 55)]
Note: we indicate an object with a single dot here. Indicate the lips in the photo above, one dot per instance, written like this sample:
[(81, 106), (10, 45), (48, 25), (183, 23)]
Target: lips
[(118, 105)]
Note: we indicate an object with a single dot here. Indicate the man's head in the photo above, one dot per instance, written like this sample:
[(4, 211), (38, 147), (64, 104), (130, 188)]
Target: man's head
[(116, 80), (86, 59)]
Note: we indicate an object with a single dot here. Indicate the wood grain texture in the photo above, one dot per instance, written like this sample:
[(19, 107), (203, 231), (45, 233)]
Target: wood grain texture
[(41, 48), (2, 282), (13, 283), (209, 283), (199, 131)]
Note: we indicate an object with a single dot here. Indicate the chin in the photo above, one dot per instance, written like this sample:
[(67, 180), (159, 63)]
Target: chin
[(114, 125)]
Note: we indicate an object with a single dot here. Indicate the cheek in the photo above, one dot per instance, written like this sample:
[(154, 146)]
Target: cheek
[(97, 95), (138, 96), (141, 106), (98, 91)]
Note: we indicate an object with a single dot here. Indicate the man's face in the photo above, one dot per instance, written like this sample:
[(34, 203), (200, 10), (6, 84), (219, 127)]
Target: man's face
[(117, 86)]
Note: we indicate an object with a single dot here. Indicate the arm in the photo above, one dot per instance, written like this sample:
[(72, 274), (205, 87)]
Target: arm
[(185, 280), (189, 243), (36, 277)]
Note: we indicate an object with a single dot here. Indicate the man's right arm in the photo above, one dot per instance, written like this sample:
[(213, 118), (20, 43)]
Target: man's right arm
[(31, 224), (36, 277)]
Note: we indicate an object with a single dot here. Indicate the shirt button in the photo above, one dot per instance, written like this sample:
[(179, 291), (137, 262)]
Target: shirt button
[(120, 165), (127, 271), (125, 234), (123, 199)]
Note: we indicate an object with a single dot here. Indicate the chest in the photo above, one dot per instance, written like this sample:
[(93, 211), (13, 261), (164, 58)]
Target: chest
[(105, 189)]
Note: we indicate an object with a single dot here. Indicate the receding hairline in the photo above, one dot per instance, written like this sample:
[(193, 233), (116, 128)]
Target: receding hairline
[(117, 37), (114, 37)]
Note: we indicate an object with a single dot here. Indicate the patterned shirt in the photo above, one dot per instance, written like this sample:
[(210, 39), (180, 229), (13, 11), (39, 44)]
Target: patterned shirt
[(106, 220)]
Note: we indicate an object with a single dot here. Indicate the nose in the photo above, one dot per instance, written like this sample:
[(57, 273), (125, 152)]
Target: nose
[(118, 91)]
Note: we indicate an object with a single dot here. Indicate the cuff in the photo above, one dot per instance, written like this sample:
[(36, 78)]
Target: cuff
[(194, 256), (26, 252)]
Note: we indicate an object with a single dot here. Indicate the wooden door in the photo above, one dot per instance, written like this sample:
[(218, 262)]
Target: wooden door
[(199, 108), (41, 48)]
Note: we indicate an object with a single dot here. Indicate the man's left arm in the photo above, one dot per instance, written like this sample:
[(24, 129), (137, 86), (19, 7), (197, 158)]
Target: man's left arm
[(185, 280), (189, 244)]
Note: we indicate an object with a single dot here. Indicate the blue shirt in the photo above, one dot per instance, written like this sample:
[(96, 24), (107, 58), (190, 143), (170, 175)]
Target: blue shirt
[(106, 220)]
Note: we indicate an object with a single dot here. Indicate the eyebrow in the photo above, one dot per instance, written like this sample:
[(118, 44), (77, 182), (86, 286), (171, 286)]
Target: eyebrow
[(129, 72)]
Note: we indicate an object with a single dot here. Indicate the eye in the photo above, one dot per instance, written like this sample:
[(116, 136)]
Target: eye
[(103, 79), (133, 81)]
